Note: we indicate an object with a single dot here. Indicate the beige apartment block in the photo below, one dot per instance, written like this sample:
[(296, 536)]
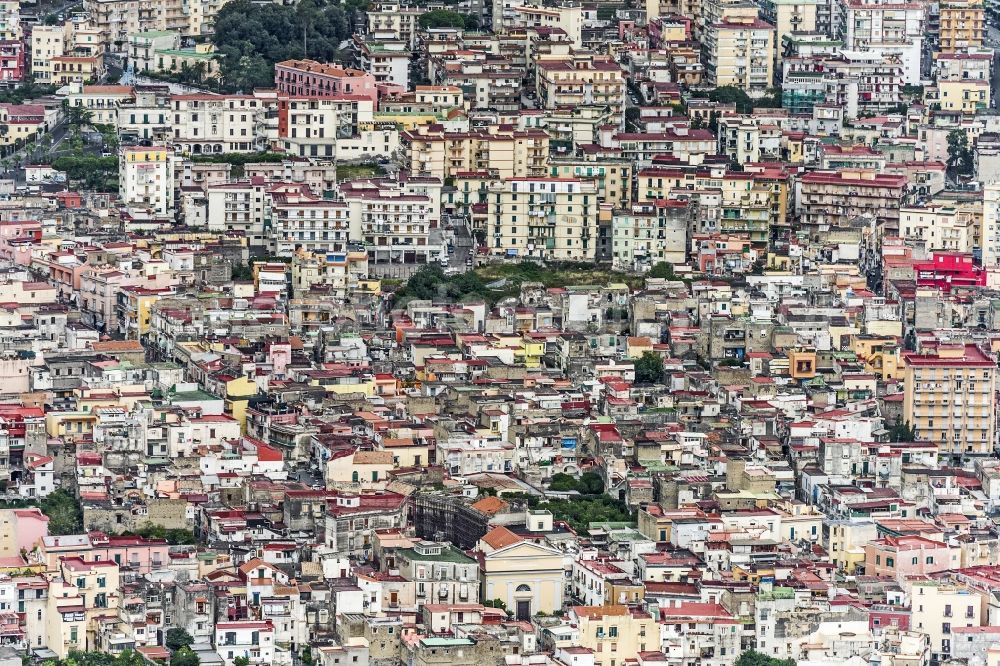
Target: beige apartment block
[(509, 153), (948, 397), (740, 47), (547, 218)]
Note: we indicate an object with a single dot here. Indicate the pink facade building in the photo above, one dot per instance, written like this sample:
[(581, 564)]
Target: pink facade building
[(911, 555), (136, 553), (308, 78)]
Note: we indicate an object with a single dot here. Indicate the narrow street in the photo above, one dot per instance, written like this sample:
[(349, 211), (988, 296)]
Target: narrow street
[(993, 41)]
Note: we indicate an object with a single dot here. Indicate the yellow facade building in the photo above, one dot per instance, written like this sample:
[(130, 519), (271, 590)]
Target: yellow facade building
[(528, 577), (616, 634), (961, 25)]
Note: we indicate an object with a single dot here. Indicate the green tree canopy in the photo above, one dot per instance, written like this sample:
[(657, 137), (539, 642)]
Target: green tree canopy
[(663, 269), (176, 638), (185, 656), (754, 658), (649, 368), (442, 18), (250, 37), (960, 158), (64, 512)]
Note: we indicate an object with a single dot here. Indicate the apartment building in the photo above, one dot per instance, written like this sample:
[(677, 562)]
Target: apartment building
[(492, 85), (394, 221), (241, 207), (436, 100), (888, 29), (959, 66), (942, 225), (581, 80), (990, 234), (146, 179), (960, 25), (832, 199), (47, 42), (948, 399), (303, 221), (68, 69), (612, 175), (567, 17), (115, 20), (937, 606), (689, 146), (103, 102), (966, 96), (10, 21), (749, 139), (308, 78), (338, 128), (550, 218), (205, 123), (860, 81), (252, 640), (614, 634), (649, 233), (387, 60), (740, 49), (789, 17), (402, 22), (433, 151), (338, 272)]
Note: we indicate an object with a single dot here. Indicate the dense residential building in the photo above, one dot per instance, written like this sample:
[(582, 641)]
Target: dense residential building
[(833, 199), (308, 78), (740, 49), (948, 398), (507, 152), (552, 218), (961, 25), (508, 334), (146, 179)]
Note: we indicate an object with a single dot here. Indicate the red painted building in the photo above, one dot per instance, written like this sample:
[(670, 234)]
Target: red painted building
[(949, 270), (11, 60), (882, 616)]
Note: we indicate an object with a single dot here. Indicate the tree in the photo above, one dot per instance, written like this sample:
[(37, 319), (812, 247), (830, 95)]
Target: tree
[(442, 18), (241, 661), (77, 116), (250, 37), (495, 603), (649, 368), (732, 95), (754, 658), (902, 432), (562, 483), (177, 638), (64, 512), (960, 159), (184, 657), (663, 270)]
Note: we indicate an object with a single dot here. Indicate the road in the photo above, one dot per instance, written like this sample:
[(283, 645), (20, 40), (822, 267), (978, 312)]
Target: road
[(464, 246), (58, 134), (993, 41)]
